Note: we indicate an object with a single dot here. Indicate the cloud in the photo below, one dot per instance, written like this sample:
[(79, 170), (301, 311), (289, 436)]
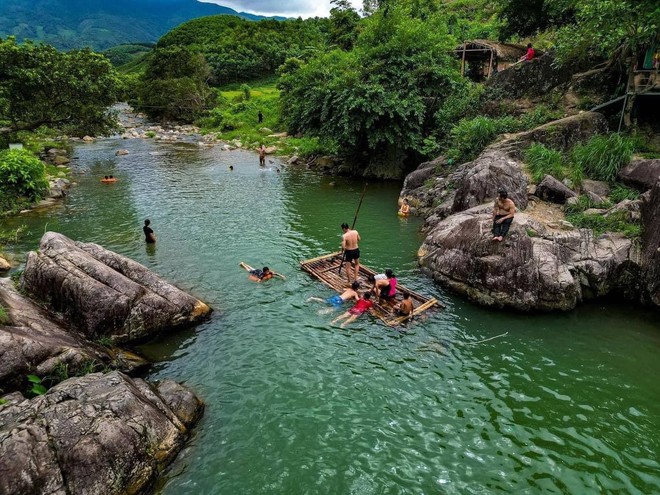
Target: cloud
[(289, 8)]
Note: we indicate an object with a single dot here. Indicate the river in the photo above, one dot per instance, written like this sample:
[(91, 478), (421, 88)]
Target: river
[(464, 401)]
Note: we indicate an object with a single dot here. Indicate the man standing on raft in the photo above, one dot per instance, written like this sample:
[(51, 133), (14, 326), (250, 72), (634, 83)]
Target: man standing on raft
[(349, 245), (503, 212)]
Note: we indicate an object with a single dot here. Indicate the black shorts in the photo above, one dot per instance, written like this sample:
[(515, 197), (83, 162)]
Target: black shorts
[(351, 254)]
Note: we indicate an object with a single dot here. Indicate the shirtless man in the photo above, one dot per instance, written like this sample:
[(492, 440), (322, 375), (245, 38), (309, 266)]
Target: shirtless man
[(262, 156), (338, 299), (503, 213), (149, 236), (405, 307), (349, 245)]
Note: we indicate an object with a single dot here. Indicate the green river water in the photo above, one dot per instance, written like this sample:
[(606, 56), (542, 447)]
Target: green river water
[(562, 403)]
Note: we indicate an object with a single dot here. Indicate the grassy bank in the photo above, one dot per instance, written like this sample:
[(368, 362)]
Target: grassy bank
[(236, 117)]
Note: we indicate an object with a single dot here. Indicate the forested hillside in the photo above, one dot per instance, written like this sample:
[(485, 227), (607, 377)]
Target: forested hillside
[(100, 24), (238, 50)]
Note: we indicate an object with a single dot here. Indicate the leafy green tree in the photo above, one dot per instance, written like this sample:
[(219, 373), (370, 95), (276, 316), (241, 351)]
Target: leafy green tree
[(344, 22), (380, 95), (40, 86), (22, 174), (528, 17), (175, 85)]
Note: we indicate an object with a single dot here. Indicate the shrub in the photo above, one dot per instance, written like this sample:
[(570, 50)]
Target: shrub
[(22, 174), (616, 222), (542, 161), (602, 157), (470, 136), (620, 193), (246, 89)]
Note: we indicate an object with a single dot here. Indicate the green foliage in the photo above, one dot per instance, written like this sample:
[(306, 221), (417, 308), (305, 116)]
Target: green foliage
[(602, 157), (4, 317), (377, 95), (620, 193), (470, 136), (344, 25), (21, 175), (615, 222), (527, 17), (609, 28), (174, 85), (238, 50), (67, 91), (545, 161), (246, 91), (36, 387), (126, 53)]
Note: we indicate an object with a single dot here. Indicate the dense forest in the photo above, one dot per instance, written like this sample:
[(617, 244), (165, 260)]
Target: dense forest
[(100, 24)]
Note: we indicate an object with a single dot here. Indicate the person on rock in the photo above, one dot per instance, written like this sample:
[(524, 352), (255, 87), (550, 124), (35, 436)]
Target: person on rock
[(149, 235), (529, 55), (361, 307), (503, 213)]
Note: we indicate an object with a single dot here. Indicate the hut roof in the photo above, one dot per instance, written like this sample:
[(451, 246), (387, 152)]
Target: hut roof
[(503, 51)]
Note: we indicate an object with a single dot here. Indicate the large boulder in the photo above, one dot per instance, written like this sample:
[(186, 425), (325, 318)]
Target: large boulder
[(31, 343), (480, 180), (102, 433), (102, 293), (650, 209), (641, 174), (532, 78), (536, 268)]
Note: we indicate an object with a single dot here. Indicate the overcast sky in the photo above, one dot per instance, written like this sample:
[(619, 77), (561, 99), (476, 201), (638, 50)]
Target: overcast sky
[(288, 8)]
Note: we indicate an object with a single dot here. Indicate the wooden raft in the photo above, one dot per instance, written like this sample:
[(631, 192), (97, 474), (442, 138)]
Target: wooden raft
[(326, 269)]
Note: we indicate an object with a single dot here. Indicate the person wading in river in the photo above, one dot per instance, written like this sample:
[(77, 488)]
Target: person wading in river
[(262, 156), (349, 245), (149, 235), (503, 213)]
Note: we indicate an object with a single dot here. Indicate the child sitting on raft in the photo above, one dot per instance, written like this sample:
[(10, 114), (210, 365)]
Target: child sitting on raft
[(361, 307), (260, 275), (405, 307)]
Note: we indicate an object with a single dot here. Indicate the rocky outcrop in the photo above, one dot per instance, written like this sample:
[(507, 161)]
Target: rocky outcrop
[(479, 181), (536, 268), (31, 343), (4, 265), (650, 210), (101, 293), (597, 187), (532, 78), (102, 433), (641, 174)]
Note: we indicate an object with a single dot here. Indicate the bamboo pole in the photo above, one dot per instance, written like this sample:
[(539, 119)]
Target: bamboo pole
[(463, 59)]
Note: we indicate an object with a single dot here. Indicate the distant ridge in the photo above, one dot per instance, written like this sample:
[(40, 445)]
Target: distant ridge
[(100, 24)]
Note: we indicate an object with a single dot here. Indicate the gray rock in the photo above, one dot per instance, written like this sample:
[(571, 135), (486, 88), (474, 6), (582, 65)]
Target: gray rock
[(597, 187), (594, 198), (293, 160), (102, 433), (572, 201), (641, 174), (548, 271), (479, 181), (104, 294), (121, 152), (61, 160), (33, 343), (550, 189), (4, 265), (650, 212)]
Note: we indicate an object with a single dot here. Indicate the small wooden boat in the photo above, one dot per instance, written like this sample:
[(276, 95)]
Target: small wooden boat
[(326, 269)]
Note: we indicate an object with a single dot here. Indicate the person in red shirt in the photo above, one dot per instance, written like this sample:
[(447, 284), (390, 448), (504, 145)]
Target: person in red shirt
[(361, 307), (529, 55)]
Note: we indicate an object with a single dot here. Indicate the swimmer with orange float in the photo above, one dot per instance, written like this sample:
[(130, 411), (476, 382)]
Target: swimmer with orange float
[(109, 179)]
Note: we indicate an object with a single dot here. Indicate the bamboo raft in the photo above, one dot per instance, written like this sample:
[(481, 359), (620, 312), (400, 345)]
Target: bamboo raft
[(326, 269)]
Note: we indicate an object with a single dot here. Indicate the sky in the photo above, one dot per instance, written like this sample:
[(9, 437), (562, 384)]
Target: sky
[(287, 8)]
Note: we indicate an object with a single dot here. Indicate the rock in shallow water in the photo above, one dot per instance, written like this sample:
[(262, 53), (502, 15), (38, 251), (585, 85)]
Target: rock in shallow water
[(99, 434), (102, 293)]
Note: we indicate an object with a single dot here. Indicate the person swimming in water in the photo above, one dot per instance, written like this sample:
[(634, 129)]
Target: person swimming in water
[(404, 211), (361, 307), (260, 275), (338, 299)]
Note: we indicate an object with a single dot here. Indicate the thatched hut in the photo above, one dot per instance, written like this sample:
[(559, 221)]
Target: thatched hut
[(481, 58)]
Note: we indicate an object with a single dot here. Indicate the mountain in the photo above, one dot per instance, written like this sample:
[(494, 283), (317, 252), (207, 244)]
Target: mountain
[(100, 24)]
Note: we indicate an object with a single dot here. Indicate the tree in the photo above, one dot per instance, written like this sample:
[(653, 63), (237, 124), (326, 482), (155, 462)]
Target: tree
[(68, 91), (379, 95), (344, 22), (527, 17), (175, 85)]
